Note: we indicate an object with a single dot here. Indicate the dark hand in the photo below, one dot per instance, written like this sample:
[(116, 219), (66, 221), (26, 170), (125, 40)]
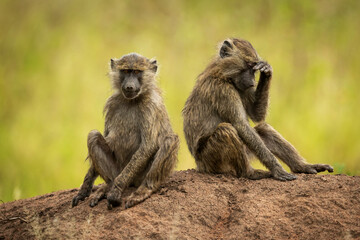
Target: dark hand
[(264, 68), (114, 198), (282, 175)]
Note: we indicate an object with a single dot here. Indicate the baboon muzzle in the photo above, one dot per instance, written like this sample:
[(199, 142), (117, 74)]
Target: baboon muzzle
[(131, 87)]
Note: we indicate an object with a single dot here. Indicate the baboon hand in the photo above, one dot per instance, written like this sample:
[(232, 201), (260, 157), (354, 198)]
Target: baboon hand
[(113, 198), (282, 175), (138, 196), (264, 68)]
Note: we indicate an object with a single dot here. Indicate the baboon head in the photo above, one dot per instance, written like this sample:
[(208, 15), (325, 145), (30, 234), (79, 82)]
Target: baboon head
[(132, 74), (237, 58)]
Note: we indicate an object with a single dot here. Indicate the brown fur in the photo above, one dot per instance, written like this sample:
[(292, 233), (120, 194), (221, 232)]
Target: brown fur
[(139, 146), (216, 124)]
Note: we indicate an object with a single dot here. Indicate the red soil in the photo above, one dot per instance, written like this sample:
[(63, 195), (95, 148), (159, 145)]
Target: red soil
[(191, 205)]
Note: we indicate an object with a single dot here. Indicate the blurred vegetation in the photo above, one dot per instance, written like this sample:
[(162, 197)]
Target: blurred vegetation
[(54, 59)]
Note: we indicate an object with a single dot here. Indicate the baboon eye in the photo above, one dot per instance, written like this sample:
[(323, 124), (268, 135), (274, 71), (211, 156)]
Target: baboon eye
[(137, 71)]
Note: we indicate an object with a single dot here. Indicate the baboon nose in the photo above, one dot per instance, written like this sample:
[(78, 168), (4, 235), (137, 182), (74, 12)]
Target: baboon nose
[(129, 88)]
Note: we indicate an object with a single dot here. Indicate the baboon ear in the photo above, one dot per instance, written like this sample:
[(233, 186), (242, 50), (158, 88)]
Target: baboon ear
[(112, 64), (225, 50), (154, 65)]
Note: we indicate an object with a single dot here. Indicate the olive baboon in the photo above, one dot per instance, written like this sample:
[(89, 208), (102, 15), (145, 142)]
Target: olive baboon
[(139, 146), (216, 114)]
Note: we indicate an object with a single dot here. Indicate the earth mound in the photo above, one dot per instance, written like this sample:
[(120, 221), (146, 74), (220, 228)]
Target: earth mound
[(192, 205)]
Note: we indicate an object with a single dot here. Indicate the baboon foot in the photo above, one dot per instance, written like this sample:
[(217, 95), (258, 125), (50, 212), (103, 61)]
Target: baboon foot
[(314, 168), (114, 198), (99, 195), (137, 197), (257, 174), (282, 175), (79, 197), (96, 199)]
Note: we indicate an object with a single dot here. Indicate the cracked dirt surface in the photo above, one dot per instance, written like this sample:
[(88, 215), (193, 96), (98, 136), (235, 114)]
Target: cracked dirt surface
[(191, 205)]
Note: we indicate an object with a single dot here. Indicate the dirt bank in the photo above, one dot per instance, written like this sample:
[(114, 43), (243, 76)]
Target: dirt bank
[(197, 206)]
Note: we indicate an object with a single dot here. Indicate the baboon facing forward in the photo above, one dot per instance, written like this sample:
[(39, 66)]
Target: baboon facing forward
[(138, 146), (216, 114)]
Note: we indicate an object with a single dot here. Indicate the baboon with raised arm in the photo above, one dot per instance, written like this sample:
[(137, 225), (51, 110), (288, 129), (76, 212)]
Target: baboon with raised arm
[(216, 114), (138, 146)]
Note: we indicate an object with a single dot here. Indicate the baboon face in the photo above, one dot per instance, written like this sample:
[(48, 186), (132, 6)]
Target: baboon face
[(130, 82), (244, 80), (239, 57), (131, 73)]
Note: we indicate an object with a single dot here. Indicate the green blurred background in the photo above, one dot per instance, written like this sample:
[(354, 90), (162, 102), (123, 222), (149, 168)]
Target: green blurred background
[(54, 59)]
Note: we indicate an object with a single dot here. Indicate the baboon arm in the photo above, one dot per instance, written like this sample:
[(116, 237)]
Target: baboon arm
[(256, 101), (137, 164), (261, 101), (255, 144), (231, 110), (234, 113), (147, 149)]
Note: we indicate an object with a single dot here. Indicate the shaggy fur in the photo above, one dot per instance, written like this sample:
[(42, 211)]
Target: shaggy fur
[(138, 146), (216, 124)]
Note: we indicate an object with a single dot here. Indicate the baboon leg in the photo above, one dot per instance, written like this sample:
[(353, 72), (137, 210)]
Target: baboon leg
[(102, 157), (86, 187), (161, 167), (225, 152), (102, 163), (100, 194), (286, 152)]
